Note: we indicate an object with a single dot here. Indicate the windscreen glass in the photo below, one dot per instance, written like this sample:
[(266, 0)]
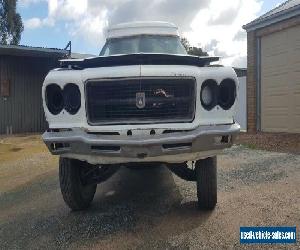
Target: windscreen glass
[(143, 44)]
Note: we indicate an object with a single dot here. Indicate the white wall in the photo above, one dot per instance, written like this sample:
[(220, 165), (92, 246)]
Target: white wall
[(241, 115)]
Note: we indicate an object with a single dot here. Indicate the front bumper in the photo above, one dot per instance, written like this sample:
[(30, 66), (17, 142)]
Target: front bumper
[(172, 147)]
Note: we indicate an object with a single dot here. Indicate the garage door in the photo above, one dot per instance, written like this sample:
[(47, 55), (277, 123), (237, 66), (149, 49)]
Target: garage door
[(280, 81)]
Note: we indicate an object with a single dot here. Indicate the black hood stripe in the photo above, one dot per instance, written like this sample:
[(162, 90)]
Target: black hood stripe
[(138, 59)]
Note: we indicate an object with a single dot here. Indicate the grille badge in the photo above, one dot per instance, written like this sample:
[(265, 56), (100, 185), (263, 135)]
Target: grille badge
[(140, 100)]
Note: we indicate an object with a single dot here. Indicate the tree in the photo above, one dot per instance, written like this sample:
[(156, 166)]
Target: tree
[(185, 43), (192, 50), (11, 25)]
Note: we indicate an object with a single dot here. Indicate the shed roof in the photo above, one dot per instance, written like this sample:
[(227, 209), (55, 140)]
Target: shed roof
[(21, 50), (282, 12)]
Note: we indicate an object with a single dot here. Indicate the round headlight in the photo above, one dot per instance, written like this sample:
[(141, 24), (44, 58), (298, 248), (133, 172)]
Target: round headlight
[(72, 98), (54, 99), (227, 93), (208, 94)]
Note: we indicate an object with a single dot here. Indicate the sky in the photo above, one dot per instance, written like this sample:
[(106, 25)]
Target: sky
[(214, 25)]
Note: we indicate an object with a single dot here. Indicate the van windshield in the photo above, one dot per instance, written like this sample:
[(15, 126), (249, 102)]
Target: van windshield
[(143, 44)]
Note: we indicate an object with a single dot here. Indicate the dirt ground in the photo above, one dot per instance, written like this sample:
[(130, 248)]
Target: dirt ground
[(279, 142), (144, 209)]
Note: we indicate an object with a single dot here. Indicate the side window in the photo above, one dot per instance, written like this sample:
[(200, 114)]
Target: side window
[(106, 52)]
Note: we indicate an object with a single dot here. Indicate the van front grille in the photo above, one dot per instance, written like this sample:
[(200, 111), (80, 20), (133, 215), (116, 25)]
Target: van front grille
[(140, 100)]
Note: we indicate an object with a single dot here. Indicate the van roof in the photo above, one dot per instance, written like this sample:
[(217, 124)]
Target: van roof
[(142, 28)]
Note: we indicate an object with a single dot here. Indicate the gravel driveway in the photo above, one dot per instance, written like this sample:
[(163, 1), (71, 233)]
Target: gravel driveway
[(144, 209)]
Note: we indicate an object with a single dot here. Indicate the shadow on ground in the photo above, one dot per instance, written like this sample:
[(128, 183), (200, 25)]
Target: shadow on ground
[(132, 201)]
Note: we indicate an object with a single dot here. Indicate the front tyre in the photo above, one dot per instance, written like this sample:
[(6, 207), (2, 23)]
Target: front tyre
[(76, 193), (206, 176)]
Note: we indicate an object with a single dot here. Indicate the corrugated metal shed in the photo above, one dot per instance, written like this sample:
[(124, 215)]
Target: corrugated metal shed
[(22, 50), (24, 68)]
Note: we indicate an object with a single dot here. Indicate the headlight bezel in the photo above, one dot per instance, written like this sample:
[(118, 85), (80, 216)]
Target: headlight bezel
[(67, 98), (54, 98), (72, 98), (227, 93), (213, 88)]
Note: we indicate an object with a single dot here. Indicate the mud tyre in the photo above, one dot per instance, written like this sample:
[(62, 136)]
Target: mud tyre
[(76, 193), (206, 177)]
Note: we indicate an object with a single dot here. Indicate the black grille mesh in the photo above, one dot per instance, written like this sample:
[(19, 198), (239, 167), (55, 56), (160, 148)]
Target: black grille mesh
[(115, 101)]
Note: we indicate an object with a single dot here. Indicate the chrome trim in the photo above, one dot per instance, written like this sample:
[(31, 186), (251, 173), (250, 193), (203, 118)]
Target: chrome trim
[(202, 139)]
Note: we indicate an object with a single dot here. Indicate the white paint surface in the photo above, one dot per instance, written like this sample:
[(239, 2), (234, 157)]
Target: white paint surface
[(202, 117), (142, 28), (241, 107)]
